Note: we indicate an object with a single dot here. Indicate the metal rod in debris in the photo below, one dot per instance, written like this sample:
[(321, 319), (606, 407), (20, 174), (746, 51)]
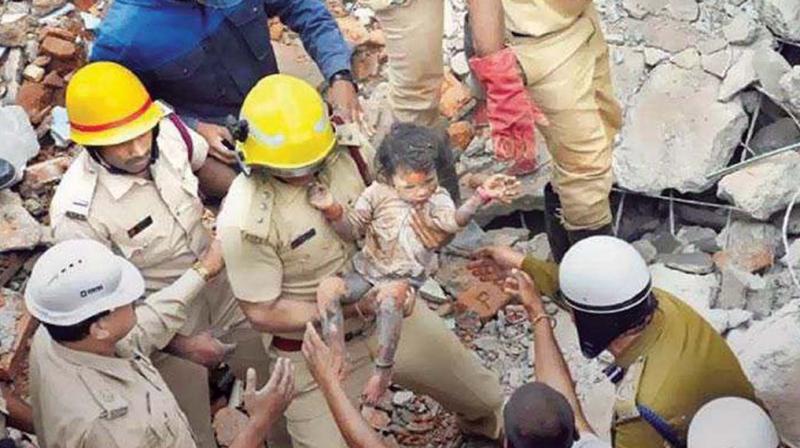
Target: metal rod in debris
[(752, 160)]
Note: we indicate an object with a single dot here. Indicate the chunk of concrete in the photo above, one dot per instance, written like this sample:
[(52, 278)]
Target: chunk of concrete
[(697, 263), (18, 229), (698, 291), (764, 188), (742, 30), (770, 68), (790, 85), (627, 72), (676, 132), (781, 16), (717, 63), (770, 355), (781, 133), (646, 250), (739, 76), (751, 246)]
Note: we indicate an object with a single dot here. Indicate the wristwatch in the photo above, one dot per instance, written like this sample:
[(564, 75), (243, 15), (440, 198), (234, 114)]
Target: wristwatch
[(343, 75), (200, 269)]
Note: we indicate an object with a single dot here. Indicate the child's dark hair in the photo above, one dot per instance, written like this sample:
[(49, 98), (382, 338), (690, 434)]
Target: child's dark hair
[(410, 147)]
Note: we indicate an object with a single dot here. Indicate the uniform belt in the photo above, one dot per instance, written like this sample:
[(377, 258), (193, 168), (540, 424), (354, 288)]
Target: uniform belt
[(295, 345)]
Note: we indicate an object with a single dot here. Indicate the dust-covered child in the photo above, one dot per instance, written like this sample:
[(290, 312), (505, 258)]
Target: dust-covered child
[(393, 262)]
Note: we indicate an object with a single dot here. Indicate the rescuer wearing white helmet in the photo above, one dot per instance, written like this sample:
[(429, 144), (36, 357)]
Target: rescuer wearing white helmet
[(732, 422), (669, 362), (92, 383)]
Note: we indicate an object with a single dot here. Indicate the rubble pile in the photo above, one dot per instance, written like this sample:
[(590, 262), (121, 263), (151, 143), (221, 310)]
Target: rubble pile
[(704, 85)]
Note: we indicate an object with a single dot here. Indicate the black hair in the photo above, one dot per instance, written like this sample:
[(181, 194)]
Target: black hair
[(538, 416), (76, 332), (410, 147)]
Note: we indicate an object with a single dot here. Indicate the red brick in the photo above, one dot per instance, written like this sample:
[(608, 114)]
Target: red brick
[(366, 64), (61, 33), (59, 48), (485, 299), (454, 96), (34, 98), (461, 133), (54, 80), (24, 326), (43, 173), (84, 5), (753, 258), (42, 60)]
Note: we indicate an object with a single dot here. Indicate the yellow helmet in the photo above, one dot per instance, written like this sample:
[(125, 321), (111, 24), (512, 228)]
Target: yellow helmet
[(107, 105), (288, 129)]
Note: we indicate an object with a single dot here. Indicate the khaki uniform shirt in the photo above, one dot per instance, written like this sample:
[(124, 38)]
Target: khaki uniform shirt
[(156, 224), (81, 399), (275, 243), (391, 248), (677, 365)]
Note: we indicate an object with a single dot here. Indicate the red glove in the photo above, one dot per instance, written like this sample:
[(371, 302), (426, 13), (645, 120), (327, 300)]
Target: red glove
[(511, 111)]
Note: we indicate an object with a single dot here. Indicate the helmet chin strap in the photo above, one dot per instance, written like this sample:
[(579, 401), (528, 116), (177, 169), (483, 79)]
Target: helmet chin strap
[(94, 153)]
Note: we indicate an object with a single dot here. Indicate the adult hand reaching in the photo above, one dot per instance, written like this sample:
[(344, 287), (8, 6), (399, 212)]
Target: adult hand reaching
[(216, 135)]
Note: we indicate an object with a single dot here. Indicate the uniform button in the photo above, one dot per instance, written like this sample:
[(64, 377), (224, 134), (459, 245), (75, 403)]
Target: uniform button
[(263, 206), (255, 8), (260, 220), (186, 71)]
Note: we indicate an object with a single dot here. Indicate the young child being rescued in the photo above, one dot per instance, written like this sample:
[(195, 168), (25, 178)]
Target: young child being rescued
[(393, 261)]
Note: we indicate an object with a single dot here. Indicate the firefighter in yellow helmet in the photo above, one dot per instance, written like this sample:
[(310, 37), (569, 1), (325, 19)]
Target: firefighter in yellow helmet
[(134, 190), (278, 248)]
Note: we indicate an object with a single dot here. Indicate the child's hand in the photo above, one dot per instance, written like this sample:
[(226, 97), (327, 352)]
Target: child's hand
[(500, 187), (320, 197)]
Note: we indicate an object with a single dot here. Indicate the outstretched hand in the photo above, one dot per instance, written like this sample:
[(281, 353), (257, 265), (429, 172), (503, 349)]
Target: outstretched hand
[(267, 404), (493, 263), (520, 284), (501, 187)]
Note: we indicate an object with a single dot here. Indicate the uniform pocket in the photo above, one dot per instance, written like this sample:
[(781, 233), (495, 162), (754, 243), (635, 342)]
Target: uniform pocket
[(251, 22)]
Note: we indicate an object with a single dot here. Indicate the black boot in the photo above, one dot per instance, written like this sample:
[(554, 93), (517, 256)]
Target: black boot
[(556, 233), (577, 235)]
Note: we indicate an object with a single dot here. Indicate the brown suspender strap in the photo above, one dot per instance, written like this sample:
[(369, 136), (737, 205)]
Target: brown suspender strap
[(363, 169), (184, 131)]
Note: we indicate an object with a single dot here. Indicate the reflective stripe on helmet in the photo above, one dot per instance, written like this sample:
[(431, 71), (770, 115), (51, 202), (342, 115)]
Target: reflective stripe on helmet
[(616, 308), (114, 124)]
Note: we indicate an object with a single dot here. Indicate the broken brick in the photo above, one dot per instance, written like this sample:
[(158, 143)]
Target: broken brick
[(461, 133), (54, 80), (354, 32), (366, 64), (18, 327), (485, 299), (39, 175), (228, 423), (59, 48), (42, 60), (60, 33), (34, 98), (755, 258), (454, 96), (84, 5)]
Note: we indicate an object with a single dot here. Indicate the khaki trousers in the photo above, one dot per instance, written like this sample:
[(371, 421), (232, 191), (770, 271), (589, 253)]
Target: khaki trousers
[(430, 360), (567, 75), (188, 381)]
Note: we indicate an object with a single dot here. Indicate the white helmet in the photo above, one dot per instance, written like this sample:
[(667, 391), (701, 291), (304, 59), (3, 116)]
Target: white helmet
[(607, 284), (732, 422), (78, 279)]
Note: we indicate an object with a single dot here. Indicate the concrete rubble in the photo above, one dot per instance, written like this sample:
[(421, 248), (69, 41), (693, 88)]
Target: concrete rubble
[(703, 85)]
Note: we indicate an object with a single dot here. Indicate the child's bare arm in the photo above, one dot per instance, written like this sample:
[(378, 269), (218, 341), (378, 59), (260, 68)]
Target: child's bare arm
[(320, 197), (497, 187)]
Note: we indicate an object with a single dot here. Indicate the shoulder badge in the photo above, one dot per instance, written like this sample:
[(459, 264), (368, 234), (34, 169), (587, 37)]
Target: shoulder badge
[(82, 184), (112, 405), (625, 401), (256, 222)]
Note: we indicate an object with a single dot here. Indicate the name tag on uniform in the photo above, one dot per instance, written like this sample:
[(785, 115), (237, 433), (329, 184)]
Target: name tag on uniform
[(138, 228), (300, 240)]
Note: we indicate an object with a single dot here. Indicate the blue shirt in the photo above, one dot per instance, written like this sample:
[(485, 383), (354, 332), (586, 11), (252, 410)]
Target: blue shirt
[(158, 39)]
